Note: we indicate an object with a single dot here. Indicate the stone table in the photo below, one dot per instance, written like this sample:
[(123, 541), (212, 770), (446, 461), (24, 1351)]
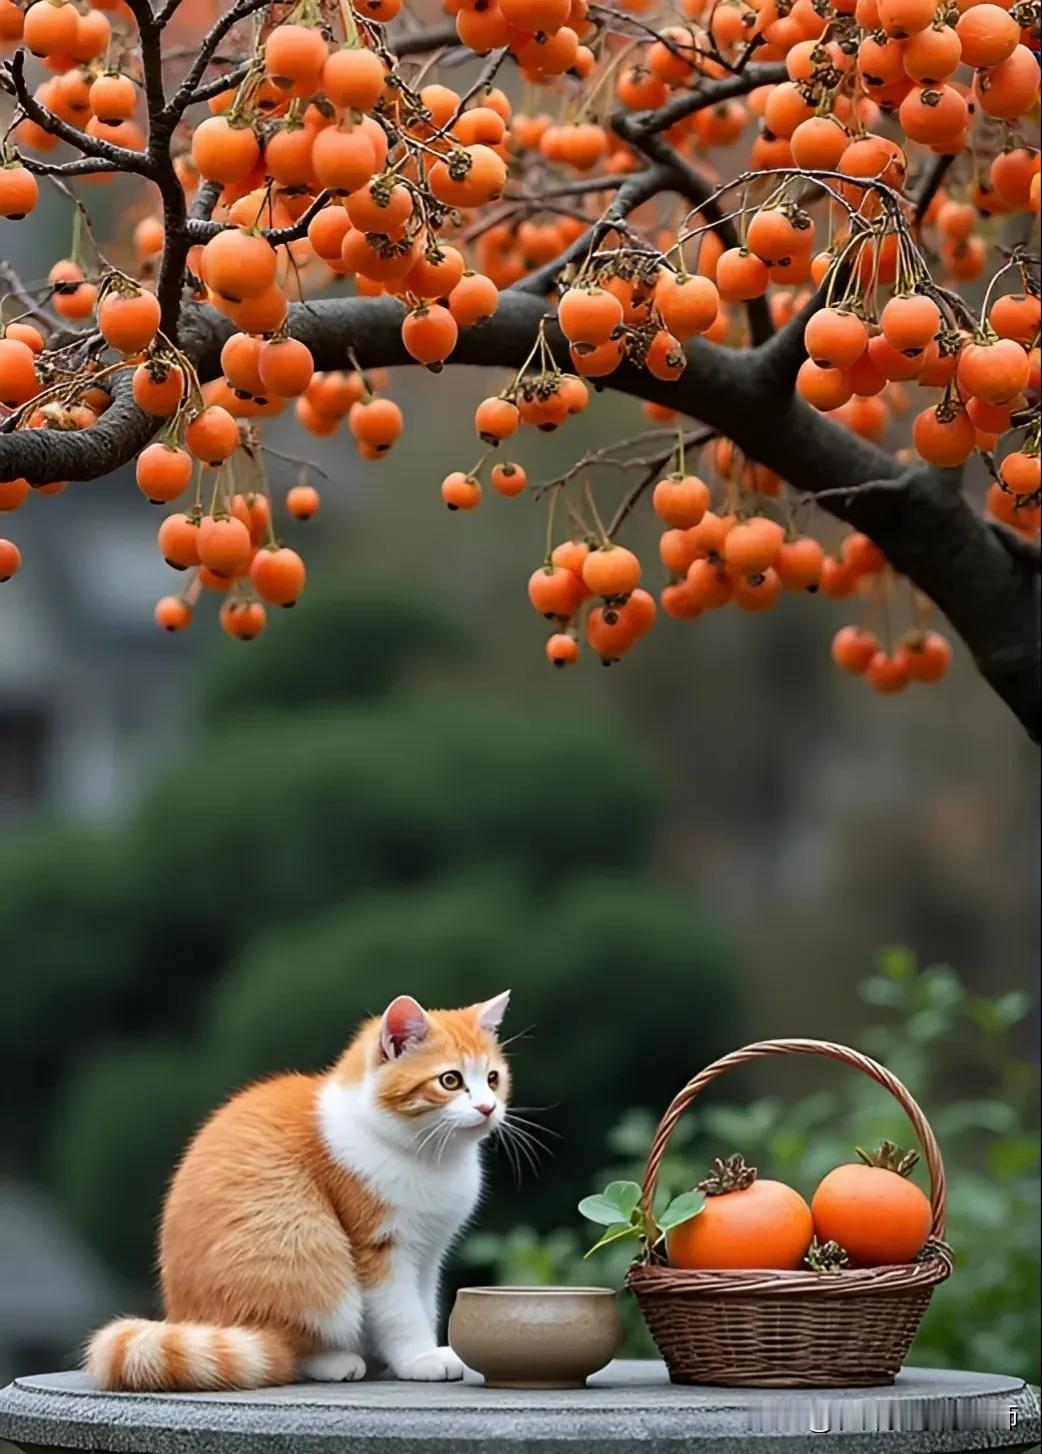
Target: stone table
[(630, 1408)]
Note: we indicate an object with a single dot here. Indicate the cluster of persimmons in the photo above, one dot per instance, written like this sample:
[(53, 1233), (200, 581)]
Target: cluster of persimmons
[(328, 156)]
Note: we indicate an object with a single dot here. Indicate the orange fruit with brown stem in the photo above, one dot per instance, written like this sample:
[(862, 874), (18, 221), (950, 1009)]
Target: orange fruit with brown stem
[(872, 1209), (746, 1222)]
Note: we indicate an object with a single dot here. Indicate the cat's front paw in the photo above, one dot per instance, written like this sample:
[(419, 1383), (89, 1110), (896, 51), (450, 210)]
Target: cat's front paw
[(333, 1367), (440, 1365)]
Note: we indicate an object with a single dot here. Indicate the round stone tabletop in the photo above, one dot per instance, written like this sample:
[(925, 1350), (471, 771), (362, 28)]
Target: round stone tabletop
[(630, 1408)]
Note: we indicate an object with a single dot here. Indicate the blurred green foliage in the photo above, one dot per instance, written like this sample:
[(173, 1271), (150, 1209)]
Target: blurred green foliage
[(346, 829), (934, 1034), (357, 644)]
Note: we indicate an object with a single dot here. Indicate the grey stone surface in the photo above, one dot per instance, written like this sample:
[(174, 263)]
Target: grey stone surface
[(630, 1407)]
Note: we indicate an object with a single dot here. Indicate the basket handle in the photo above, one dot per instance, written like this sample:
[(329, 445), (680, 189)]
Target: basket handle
[(846, 1056)]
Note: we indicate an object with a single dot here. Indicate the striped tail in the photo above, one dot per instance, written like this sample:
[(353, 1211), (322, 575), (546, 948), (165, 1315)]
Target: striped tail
[(136, 1355)]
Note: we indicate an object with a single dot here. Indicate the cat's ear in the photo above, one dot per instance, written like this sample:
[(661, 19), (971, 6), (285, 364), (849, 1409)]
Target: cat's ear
[(404, 1025), (490, 1014)]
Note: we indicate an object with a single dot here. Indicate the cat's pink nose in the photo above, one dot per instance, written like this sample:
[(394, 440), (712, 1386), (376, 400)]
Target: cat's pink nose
[(485, 1110)]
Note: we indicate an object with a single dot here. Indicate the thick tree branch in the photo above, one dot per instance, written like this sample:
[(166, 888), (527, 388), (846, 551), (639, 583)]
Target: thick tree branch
[(779, 360), (206, 199), (927, 529), (44, 455), (1029, 552), (709, 93), (161, 122)]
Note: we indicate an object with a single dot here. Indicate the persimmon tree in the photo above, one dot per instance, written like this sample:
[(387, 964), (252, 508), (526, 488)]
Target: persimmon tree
[(837, 324)]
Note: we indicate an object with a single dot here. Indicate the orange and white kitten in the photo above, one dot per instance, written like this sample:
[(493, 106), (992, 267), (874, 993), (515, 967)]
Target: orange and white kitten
[(306, 1226)]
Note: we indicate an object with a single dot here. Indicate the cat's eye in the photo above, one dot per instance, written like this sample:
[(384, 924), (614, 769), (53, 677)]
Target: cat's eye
[(451, 1080), (493, 1078)]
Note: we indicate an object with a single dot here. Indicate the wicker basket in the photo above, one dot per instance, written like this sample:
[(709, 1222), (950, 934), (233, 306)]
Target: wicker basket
[(769, 1329)]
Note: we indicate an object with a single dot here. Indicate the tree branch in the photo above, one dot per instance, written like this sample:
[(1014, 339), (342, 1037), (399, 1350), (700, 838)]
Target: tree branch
[(708, 93), (16, 289), (418, 43), (226, 81), (81, 167), (929, 184), (44, 455), (121, 157), (925, 526), (690, 183), (202, 229), (161, 122), (638, 187), (207, 196), (182, 97)]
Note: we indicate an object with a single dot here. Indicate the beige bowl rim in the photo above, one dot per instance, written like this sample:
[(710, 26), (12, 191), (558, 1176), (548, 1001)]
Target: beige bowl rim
[(539, 1291)]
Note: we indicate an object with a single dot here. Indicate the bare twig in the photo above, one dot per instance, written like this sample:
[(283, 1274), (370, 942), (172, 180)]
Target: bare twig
[(632, 498), (182, 97), (31, 307)]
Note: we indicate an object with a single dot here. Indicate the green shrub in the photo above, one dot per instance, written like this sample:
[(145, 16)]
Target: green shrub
[(360, 642), (69, 956), (63, 930), (121, 1122), (281, 818)]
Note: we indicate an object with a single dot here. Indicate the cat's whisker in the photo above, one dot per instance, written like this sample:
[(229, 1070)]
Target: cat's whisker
[(511, 1155), (503, 1139), (524, 1034), (422, 1137), (444, 1143), (529, 1155), (525, 1130), (427, 1136), (515, 1119), (523, 1144)]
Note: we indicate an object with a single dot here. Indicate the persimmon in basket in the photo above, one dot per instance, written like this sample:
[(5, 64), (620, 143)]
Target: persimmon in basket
[(746, 1223), (872, 1210)]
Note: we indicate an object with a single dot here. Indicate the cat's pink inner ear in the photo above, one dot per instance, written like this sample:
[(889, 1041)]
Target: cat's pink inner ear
[(404, 1024), (490, 1014)]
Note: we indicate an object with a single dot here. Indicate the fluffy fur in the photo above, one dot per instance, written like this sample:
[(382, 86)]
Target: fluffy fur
[(305, 1228)]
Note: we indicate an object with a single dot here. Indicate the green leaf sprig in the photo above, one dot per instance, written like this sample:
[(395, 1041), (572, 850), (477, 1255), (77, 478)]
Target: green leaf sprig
[(619, 1209)]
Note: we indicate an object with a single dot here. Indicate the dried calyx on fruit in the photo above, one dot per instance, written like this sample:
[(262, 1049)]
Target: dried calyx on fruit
[(826, 1257), (727, 1175), (890, 1157)]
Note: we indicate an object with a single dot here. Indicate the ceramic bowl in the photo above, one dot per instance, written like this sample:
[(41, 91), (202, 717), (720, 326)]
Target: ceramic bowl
[(535, 1337)]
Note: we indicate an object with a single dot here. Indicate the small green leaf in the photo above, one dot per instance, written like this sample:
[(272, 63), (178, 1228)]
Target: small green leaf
[(1012, 1007), (897, 962), (625, 1195), (614, 1234), (681, 1209), (605, 1213)]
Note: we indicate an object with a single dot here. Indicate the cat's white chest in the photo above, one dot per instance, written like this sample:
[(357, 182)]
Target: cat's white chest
[(428, 1199)]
